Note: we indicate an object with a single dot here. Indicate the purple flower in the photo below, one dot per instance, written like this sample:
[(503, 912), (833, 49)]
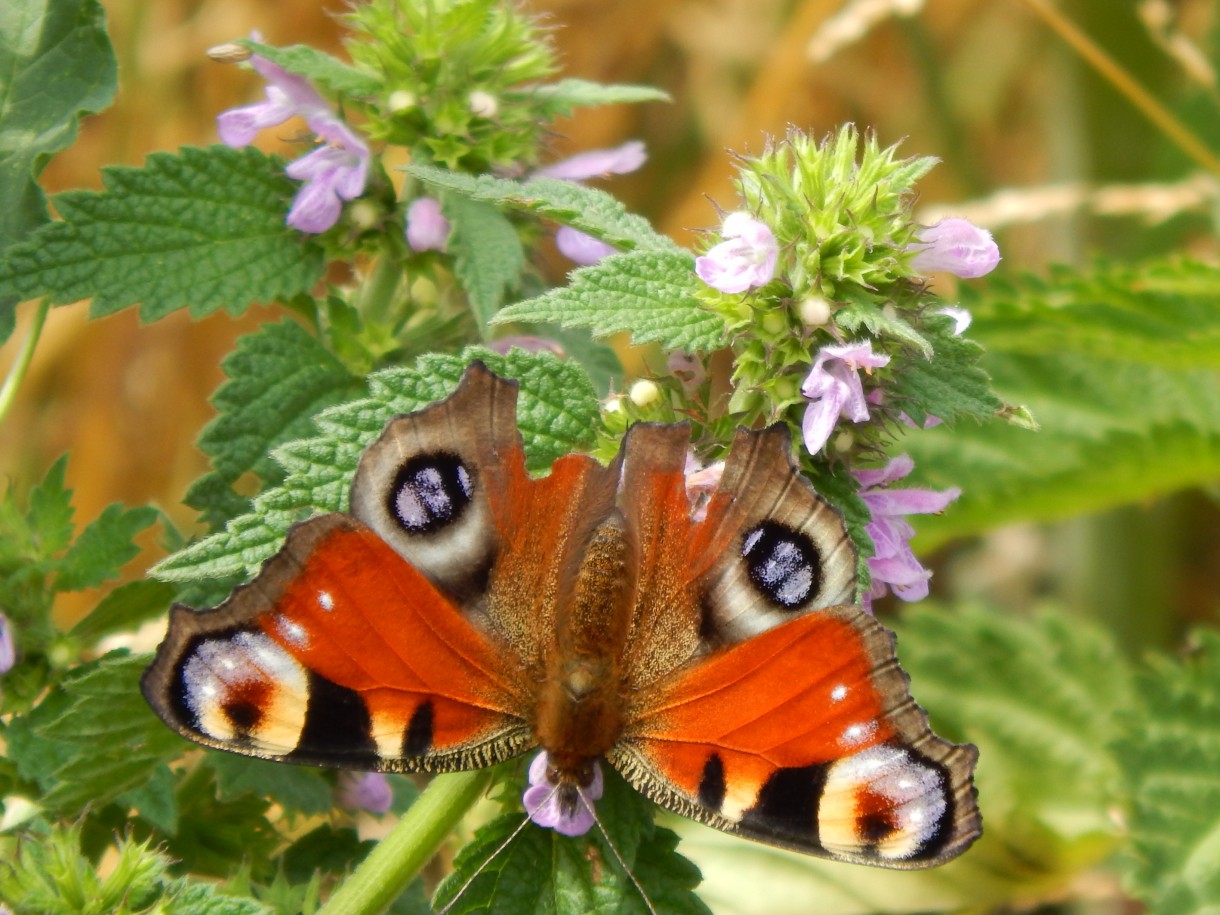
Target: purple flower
[(597, 163), (527, 343), (543, 802), (288, 96), (584, 249), (8, 652), (744, 260), (834, 389), (364, 791), (332, 173), (427, 228), (893, 566), (956, 246)]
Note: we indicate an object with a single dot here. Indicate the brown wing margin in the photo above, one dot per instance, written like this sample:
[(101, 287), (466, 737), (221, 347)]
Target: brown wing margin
[(340, 654), (806, 737)]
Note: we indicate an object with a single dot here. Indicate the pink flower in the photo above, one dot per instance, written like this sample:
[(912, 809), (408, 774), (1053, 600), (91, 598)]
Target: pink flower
[(547, 804), (8, 652), (956, 246), (893, 565), (427, 228), (834, 389), (597, 163), (369, 791), (332, 173), (744, 260), (581, 247)]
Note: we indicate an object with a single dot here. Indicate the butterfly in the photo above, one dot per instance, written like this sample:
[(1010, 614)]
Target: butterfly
[(464, 613)]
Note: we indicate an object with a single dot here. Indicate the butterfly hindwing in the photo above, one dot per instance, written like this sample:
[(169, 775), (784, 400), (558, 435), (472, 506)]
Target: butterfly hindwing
[(806, 737)]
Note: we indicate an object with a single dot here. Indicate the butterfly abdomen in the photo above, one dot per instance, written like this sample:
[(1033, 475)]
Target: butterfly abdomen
[(580, 709)]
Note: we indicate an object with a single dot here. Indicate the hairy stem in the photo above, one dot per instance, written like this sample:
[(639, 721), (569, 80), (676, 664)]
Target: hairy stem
[(399, 856)]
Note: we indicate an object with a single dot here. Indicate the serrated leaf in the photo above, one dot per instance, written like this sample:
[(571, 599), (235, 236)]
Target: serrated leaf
[(1169, 754), (102, 547), (50, 514), (644, 293), (279, 378), (195, 897), (58, 66), (1128, 419), (559, 99), (202, 230), (111, 740), (585, 208), (318, 67), (557, 412), (124, 609), (950, 384), (488, 255), (300, 789)]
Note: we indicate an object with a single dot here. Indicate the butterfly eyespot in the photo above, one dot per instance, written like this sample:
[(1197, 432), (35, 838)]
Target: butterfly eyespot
[(783, 564), (430, 492)]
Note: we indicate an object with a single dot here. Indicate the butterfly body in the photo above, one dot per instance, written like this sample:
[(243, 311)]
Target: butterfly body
[(465, 612)]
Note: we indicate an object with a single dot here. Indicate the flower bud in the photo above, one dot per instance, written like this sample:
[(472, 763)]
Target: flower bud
[(644, 392), (956, 246)]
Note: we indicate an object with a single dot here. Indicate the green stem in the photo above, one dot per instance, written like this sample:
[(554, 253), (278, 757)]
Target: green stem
[(8, 392), (399, 856), (1125, 83), (377, 293)]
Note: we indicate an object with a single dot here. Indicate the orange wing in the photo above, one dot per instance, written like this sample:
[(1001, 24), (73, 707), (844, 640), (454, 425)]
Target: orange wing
[(340, 653), (805, 736)]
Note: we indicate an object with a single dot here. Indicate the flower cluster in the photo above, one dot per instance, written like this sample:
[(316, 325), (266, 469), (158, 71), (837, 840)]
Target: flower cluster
[(822, 276)]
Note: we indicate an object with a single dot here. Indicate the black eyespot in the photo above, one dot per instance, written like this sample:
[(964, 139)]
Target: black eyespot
[(783, 564), (430, 492)]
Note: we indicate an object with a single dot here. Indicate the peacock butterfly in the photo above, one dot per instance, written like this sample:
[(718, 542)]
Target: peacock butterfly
[(464, 613)]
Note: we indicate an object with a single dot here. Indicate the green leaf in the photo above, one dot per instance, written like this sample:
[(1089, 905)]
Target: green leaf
[(949, 384), (318, 67), (325, 849), (488, 256), (559, 99), (113, 741), (58, 66), (195, 897), (299, 789), (584, 208), (1169, 754), (279, 377), (557, 412), (213, 834), (203, 229), (102, 548), (124, 609), (541, 870), (1121, 367), (155, 801), (644, 293), (50, 514), (865, 315)]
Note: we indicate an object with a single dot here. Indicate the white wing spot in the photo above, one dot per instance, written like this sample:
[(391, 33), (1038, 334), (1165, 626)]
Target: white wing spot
[(838, 693), (857, 733), (326, 601)]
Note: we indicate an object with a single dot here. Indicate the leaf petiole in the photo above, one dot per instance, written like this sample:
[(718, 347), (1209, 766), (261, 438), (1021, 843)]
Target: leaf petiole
[(8, 391)]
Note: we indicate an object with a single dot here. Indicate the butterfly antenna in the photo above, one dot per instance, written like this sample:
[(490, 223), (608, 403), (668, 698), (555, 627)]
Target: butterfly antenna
[(482, 867), (617, 857)]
